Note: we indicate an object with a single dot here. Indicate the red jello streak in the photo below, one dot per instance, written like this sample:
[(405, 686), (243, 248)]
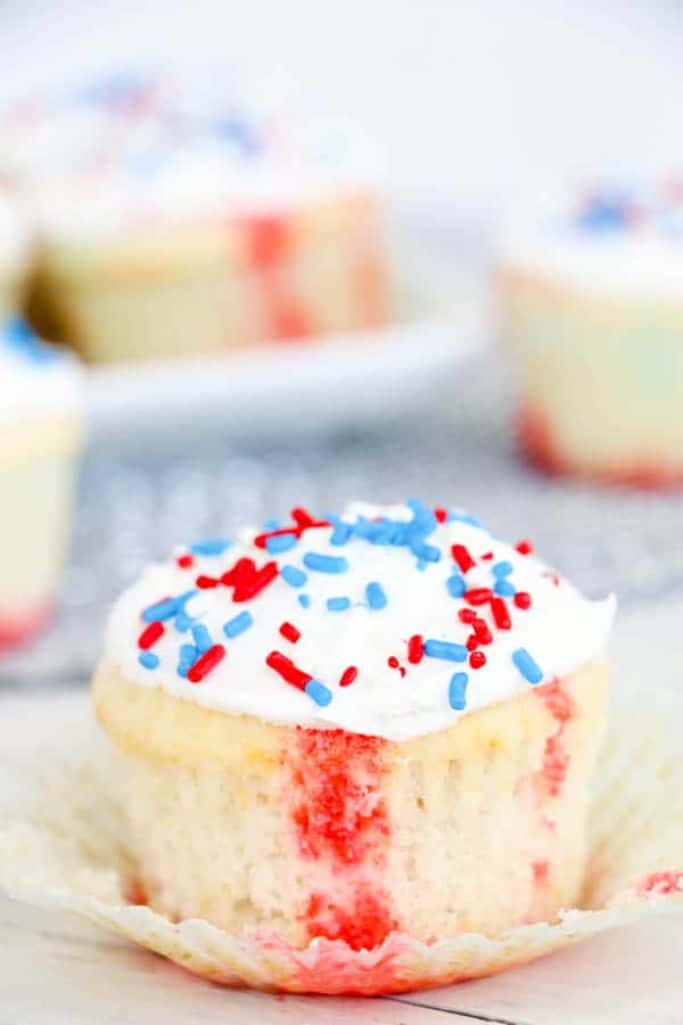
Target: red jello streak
[(415, 649), (478, 595), (150, 635), (208, 661), (348, 676), (500, 613), (555, 756), (462, 557), (285, 668), (661, 883), (290, 632)]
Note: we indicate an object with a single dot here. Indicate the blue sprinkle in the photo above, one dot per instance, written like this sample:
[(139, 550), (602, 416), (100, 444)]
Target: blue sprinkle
[(281, 543), (187, 657), (421, 565), (168, 608), (148, 659), (293, 576), (504, 588), (318, 692), (341, 532), (325, 563), (527, 666), (445, 650), (502, 569), (430, 553), (304, 601), (202, 637), (456, 585), (238, 624), (215, 546), (456, 691), (183, 622), (338, 604), (271, 525), (374, 592)]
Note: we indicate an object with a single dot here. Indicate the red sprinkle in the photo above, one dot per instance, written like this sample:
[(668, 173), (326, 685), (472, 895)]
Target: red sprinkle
[(524, 547), (150, 635), (415, 649), (477, 659), (462, 557), (482, 632), (206, 663), (348, 676), (290, 632), (205, 582), (522, 600), (472, 642), (500, 613), (394, 663), (467, 615), (287, 670), (185, 561), (303, 521), (478, 595), (248, 581), (440, 514), (487, 556)]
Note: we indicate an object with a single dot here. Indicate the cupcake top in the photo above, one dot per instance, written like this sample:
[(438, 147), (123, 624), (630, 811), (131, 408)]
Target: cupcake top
[(390, 621), (35, 378), (609, 238)]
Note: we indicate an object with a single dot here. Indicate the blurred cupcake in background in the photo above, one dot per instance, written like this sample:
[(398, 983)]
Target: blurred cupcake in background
[(592, 313), (40, 437), (167, 232), (16, 252)]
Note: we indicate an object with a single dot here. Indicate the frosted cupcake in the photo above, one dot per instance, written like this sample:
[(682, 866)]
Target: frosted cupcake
[(348, 727), (40, 437), (592, 308), (168, 234)]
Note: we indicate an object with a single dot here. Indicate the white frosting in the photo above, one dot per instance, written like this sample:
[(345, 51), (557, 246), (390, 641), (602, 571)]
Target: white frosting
[(33, 386), (561, 630)]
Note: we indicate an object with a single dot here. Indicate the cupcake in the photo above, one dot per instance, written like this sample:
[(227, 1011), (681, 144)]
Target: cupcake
[(347, 727), (40, 437), (167, 233), (592, 315)]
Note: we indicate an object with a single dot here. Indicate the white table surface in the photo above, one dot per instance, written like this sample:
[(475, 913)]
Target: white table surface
[(56, 970)]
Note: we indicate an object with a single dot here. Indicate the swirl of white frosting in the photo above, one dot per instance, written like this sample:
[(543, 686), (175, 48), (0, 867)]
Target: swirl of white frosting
[(356, 593)]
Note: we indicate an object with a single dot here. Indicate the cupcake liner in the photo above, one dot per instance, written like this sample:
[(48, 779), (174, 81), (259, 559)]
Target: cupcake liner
[(63, 845)]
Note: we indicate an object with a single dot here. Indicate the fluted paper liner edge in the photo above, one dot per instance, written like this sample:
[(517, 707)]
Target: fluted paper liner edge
[(61, 846)]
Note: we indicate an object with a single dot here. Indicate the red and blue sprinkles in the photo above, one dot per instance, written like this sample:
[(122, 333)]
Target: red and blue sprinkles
[(485, 601)]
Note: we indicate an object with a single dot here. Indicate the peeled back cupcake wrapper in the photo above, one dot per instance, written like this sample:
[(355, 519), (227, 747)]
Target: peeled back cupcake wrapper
[(62, 845)]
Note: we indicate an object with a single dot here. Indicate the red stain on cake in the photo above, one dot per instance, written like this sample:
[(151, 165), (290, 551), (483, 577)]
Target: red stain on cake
[(538, 444), (135, 893), (17, 630), (340, 822), (269, 243), (555, 756), (540, 871), (661, 883)]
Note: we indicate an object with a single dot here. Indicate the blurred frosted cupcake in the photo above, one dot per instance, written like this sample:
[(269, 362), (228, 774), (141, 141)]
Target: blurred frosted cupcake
[(15, 254), (592, 307), (40, 436), (166, 234), (350, 727)]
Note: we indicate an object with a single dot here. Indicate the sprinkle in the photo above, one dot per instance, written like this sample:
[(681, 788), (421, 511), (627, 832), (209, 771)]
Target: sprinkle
[(441, 514), (502, 569), (341, 532), (478, 595), (325, 563), (504, 588), (467, 615), (482, 632), (462, 557), (477, 659), (185, 561), (394, 663), (150, 635), (271, 525), (148, 659), (303, 521), (456, 691), (216, 546), (293, 576), (285, 668), (290, 632), (375, 595), (183, 622), (167, 608), (456, 586), (429, 553), (445, 650), (188, 654), (247, 581), (487, 556), (318, 692), (472, 642), (280, 543), (304, 601), (348, 676), (202, 638), (208, 661), (415, 649), (527, 666), (421, 565), (340, 604), (524, 547), (500, 613), (522, 600), (204, 582), (238, 624)]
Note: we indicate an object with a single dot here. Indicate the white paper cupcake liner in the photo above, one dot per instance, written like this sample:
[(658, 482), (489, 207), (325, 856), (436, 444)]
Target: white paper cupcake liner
[(63, 845)]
